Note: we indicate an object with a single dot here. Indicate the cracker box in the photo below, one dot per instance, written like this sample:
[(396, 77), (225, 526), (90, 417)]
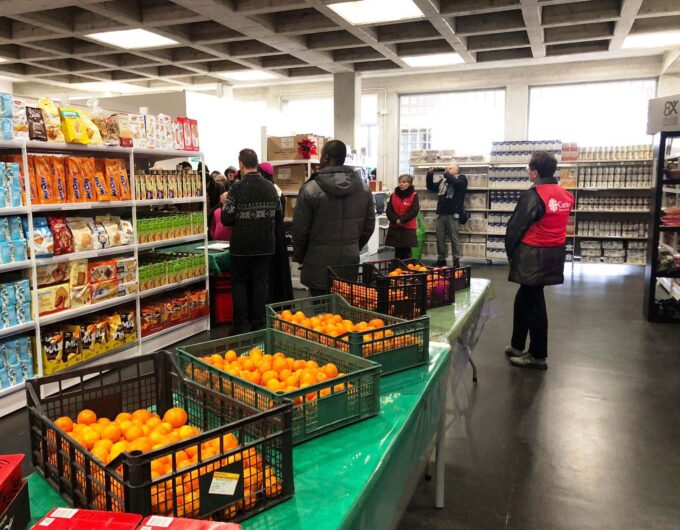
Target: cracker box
[(137, 130), (150, 128), (178, 135), (186, 133)]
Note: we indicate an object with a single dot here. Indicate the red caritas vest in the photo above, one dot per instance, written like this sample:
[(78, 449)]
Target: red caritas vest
[(400, 207), (551, 229)]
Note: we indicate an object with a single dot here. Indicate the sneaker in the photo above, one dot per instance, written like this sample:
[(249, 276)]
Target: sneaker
[(529, 361), (456, 264), (513, 352), (440, 263)]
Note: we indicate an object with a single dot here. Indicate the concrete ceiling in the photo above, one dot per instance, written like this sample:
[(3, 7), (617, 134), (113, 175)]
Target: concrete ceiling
[(44, 42)]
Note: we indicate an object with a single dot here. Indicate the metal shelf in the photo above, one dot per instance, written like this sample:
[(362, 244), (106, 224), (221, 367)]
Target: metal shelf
[(16, 265), (161, 153), (80, 206), (610, 237), (619, 161), (171, 286), (168, 242), (14, 211), (165, 337), (584, 188), (178, 200), (36, 145), (275, 163), (664, 189), (611, 211), (86, 309), (85, 254), (20, 328)]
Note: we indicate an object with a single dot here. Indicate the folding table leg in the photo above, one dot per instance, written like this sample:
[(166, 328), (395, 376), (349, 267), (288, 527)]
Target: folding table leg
[(440, 464)]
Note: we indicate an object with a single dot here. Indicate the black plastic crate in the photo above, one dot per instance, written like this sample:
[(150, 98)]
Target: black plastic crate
[(399, 345), (461, 278), (440, 284), (369, 286), (259, 457), (318, 408)]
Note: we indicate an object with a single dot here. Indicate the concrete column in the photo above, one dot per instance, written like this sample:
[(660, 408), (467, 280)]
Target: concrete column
[(347, 107), (516, 111)]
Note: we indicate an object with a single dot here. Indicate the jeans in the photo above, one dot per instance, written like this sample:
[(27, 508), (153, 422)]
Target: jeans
[(250, 285), (447, 227), (530, 318)]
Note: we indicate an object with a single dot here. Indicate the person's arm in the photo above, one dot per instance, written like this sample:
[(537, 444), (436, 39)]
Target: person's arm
[(369, 222), (389, 211), (302, 224), (412, 211), (229, 208), (459, 182), (278, 214), (429, 182), (529, 209)]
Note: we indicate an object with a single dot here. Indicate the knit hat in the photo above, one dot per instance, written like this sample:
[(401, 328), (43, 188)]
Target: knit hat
[(267, 168)]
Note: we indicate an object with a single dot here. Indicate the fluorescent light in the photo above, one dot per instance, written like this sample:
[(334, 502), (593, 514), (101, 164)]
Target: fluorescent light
[(3, 60), (435, 59), (131, 39), (656, 39), (247, 75), (373, 11), (107, 86)]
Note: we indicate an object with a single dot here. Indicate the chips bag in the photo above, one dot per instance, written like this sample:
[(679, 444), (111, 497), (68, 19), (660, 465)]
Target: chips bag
[(72, 126)]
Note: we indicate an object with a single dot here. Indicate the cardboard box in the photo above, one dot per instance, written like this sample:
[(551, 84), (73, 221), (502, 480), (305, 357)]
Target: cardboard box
[(76, 519), (286, 147), (155, 521), (18, 512), (290, 177), (10, 479)]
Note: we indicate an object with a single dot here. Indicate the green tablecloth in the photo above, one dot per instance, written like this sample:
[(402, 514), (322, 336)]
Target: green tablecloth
[(359, 477), (219, 261)]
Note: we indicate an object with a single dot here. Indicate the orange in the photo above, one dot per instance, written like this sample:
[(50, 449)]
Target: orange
[(269, 374), (140, 444), (307, 378), (284, 374), (292, 380), (299, 316), (106, 444), (376, 323), (90, 437), (274, 384), (312, 364), (321, 377), (111, 432), (248, 364), (286, 314), (186, 431), (86, 417), (229, 441), (103, 421), (299, 365), (330, 370), (97, 427), (64, 423), (230, 356), (100, 453), (133, 432), (176, 417), (118, 448), (153, 422), (279, 364), (123, 416)]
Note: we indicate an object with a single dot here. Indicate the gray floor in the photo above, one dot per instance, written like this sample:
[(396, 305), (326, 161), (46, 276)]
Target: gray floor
[(594, 442)]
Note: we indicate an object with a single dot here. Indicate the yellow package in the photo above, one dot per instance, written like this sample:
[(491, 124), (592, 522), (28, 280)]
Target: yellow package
[(73, 127), (92, 130), (52, 121)]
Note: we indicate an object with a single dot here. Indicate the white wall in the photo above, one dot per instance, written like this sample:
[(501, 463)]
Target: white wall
[(170, 103), (5, 86)]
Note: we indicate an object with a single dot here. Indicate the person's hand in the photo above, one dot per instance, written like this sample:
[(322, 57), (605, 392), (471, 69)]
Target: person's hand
[(398, 221), (223, 197)]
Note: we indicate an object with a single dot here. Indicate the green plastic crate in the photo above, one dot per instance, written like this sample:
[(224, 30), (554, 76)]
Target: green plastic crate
[(317, 409), (401, 344)]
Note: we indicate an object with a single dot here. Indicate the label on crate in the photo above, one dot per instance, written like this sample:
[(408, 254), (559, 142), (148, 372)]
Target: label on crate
[(224, 483), (158, 521), (47, 521), (64, 513)]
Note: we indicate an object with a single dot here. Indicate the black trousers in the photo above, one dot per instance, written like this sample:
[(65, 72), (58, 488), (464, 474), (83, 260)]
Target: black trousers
[(402, 252), (530, 318), (249, 286), (318, 292)]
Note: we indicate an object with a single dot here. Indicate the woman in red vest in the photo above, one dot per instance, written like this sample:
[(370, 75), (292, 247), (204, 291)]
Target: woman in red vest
[(535, 244), (402, 209)]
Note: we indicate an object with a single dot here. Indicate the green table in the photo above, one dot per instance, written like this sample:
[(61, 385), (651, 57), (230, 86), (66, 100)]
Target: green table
[(363, 476)]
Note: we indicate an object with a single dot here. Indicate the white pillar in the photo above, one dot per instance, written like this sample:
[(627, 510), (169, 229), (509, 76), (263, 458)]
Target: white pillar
[(347, 107), (516, 111)]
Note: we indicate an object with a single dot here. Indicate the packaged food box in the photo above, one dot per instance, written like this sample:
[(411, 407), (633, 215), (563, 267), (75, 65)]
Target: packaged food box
[(286, 147), (54, 298), (103, 270), (103, 290)]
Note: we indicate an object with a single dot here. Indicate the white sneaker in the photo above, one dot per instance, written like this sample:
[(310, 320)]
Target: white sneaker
[(529, 361), (513, 352)]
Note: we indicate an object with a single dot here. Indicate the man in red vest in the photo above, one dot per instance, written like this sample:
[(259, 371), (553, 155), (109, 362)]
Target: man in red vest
[(535, 245)]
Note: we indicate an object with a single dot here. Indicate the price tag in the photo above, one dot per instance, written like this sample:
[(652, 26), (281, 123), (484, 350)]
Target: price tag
[(64, 513), (224, 483)]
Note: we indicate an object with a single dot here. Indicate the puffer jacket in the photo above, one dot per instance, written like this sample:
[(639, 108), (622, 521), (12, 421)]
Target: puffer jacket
[(531, 265), (334, 218)]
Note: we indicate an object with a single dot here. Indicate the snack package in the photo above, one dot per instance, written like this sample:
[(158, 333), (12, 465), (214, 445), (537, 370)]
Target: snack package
[(19, 250), (98, 271), (150, 131), (91, 129), (6, 129), (52, 274), (82, 235), (6, 105), (178, 135), (88, 346), (151, 318), (59, 185), (125, 289), (75, 191), (44, 180), (165, 132), (112, 227), (100, 239), (22, 290), (108, 130), (43, 240), (31, 180), (81, 295), (110, 169), (15, 229), (63, 238), (53, 350), (5, 252), (125, 188), (123, 129), (54, 298), (52, 120), (101, 336), (126, 270), (116, 331), (87, 171), (72, 126), (77, 272), (72, 351), (36, 124), (193, 127), (137, 130), (4, 229), (101, 186), (19, 119)]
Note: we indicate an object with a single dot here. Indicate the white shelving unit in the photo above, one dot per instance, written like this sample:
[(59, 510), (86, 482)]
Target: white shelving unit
[(13, 398)]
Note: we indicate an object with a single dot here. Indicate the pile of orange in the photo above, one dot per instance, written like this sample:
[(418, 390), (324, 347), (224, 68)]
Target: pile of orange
[(145, 431), (334, 325), (277, 372), (410, 269)]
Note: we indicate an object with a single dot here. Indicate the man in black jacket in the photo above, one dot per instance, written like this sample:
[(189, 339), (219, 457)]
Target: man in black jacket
[(251, 207), (535, 245), (451, 197), (334, 218)]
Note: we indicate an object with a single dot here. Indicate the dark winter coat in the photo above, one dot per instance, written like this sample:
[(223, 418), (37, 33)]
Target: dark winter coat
[(452, 202), (531, 265), (398, 236), (334, 218), (251, 207)]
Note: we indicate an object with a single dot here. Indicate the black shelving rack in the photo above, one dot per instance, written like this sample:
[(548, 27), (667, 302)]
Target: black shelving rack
[(661, 299)]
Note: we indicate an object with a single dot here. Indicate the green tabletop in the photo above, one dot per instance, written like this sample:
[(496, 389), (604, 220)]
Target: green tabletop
[(358, 477), (219, 261)]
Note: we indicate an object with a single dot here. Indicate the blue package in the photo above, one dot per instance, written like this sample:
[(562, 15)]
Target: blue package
[(11, 351), (27, 369), (6, 129), (6, 106), (5, 252), (19, 249), (24, 223), (3, 197), (4, 229), (15, 230), (14, 196), (42, 238), (15, 373), (22, 292), (13, 174), (27, 312), (4, 378), (24, 345)]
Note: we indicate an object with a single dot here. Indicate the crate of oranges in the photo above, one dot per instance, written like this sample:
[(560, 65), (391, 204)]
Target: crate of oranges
[(330, 389), (439, 282), (380, 286), (394, 343), (138, 436)]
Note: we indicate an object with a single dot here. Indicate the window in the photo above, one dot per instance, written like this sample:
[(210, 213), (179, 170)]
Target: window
[(592, 114), (465, 121)]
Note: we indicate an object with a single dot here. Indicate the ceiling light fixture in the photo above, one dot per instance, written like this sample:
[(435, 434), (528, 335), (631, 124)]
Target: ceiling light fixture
[(102, 87), (374, 11), (435, 59), (3, 60), (656, 39), (132, 39), (247, 75)]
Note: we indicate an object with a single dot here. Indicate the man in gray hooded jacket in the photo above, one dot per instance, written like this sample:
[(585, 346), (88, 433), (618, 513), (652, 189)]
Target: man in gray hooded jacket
[(334, 218)]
